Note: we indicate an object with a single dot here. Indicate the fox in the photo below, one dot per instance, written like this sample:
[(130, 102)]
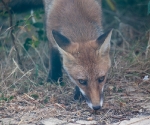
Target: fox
[(79, 46)]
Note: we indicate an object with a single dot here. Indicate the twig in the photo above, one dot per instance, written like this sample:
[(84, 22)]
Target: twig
[(41, 60), (9, 75), (56, 104), (148, 46), (139, 120), (11, 33), (29, 96), (23, 72), (119, 117)]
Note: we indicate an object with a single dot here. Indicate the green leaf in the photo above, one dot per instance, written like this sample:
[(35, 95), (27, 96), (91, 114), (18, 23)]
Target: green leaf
[(41, 35), (46, 99), (38, 25), (3, 98), (27, 43), (35, 43), (35, 96), (19, 22), (11, 97)]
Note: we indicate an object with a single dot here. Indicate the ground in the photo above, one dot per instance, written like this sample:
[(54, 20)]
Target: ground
[(26, 97)]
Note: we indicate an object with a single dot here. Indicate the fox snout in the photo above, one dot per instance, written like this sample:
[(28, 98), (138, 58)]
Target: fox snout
[(96, 106), (94, 103)]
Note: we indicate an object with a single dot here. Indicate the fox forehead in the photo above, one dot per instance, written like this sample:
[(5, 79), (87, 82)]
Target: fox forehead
[(87, 61), (83, 72)]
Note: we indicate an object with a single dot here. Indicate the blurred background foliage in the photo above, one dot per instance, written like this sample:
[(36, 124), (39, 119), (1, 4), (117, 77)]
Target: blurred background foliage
[(129, 18), (134, 13)]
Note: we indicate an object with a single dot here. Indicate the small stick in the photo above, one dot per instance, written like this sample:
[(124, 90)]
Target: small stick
[(119, 117), (148, 45)]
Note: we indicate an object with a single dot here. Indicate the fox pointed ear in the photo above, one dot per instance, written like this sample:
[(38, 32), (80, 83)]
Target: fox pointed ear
[(63, 43), (61, 40), (104, 42)]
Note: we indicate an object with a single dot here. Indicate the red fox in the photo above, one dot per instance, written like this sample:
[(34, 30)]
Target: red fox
[(78, 45)]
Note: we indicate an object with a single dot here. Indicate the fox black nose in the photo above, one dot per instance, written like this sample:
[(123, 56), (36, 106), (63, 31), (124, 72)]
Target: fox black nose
[(96, 107)]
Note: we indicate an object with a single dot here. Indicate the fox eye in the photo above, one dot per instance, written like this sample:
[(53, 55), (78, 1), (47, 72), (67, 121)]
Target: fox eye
[(101, 79), (82, 81)]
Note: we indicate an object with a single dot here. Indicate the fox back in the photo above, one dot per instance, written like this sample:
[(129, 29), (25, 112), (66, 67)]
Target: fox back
[(78, 45)]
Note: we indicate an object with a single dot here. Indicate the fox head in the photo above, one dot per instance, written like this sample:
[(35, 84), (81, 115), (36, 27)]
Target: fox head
[(87, 64)]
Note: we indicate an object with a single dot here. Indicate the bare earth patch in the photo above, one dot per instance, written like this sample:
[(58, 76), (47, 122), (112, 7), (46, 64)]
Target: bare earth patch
[(124, 100)]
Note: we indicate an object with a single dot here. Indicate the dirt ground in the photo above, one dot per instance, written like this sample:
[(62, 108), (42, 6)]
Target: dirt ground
[(123, 100), (27, 99)]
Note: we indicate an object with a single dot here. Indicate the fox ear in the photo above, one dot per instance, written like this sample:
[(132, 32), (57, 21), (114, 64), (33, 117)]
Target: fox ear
[(63, 44), (61, 40), (104, 43)]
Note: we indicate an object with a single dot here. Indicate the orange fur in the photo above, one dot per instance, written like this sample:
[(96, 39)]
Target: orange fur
[(79, 20), (85, 54)]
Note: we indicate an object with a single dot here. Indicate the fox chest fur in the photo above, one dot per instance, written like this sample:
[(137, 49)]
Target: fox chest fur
[(78, 45)]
